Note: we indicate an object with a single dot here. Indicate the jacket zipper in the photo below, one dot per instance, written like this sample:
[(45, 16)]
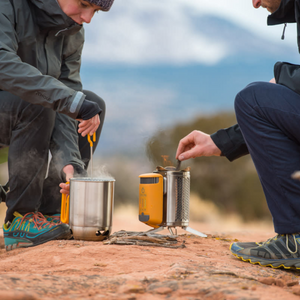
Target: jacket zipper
[(61, 31), (283, 32)]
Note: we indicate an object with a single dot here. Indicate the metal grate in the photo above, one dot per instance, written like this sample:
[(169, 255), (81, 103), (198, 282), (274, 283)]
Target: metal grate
[(182, 187)]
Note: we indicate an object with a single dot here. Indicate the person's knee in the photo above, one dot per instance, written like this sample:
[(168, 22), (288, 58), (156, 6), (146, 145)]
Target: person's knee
[(95, 98), (240, 101), (248, 96)]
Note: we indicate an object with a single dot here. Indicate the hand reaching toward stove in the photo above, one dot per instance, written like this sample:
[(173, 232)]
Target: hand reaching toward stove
[(196, 144)]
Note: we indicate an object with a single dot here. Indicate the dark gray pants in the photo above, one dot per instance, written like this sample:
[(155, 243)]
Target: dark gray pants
[(31, 131)]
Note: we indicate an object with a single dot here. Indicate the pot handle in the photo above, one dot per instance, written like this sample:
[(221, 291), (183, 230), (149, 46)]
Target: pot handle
[(65, 207), (89, 139)]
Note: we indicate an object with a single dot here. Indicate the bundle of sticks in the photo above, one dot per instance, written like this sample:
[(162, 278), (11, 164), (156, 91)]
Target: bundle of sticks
[(144, 239)]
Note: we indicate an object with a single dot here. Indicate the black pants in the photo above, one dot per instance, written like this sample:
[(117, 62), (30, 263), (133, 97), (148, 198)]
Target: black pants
[(269, 117), (30, 131)]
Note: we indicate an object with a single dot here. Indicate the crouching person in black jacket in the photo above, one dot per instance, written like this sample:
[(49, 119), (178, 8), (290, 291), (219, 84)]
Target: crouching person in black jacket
[(268, 115)]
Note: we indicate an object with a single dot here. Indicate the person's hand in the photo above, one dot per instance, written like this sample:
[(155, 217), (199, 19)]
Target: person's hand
[(88, 126), (69, 171), (65, 188), (88, 116), (273, 80), (196, 144)]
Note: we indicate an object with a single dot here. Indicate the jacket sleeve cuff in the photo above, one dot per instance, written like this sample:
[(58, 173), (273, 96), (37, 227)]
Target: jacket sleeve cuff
[(222, 141), (231, 142), (75, 106)]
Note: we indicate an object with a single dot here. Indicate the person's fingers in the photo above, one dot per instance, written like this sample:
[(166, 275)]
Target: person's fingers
[(184, 149), (95, 124), (65, 188), (89, 130), (188, 154), (88, 126), (187, 141), (62, 191), (84, 128), (181, 147)]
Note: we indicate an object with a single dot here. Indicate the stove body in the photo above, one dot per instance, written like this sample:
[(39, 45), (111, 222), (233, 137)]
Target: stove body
[(164, 199)]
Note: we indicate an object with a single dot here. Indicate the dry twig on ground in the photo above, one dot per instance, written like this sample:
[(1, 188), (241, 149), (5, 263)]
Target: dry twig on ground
[(144, 239)]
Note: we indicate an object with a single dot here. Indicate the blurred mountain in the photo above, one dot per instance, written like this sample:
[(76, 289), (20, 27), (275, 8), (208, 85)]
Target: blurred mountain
[(146, 33), (158, 68), (241, 44)]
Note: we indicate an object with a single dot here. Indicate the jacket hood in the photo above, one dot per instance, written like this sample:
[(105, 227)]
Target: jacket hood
[(49, 16)]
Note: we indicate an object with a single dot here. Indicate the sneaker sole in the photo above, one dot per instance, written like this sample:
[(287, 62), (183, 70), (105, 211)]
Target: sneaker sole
[(275, 264)]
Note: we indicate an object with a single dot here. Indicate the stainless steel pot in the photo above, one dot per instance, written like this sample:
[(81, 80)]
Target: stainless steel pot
[(90, 210)]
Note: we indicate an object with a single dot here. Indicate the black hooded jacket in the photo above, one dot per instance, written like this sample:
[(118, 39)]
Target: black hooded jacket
[(230, 140)]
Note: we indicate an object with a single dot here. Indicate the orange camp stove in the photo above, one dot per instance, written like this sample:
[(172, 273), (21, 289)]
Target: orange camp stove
[(164, 200)]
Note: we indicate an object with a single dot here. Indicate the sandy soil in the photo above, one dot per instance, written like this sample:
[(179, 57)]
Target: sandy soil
[(204, 269)]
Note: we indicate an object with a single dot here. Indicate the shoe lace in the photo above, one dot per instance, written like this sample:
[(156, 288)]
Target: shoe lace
[(38, 220), (55, 219), (286, 242)]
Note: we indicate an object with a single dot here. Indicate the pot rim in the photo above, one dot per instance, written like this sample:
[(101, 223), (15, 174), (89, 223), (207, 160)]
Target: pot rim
[(92, 179)]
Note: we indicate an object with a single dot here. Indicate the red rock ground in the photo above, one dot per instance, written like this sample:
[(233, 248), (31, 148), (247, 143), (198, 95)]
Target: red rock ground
[(204, 269)]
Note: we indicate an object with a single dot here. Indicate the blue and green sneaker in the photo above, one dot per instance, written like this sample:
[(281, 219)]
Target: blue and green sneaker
[(53, 218), (31, 230), (281, 251)]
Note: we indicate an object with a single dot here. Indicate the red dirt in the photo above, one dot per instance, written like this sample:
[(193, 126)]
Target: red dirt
[(205, 269)]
